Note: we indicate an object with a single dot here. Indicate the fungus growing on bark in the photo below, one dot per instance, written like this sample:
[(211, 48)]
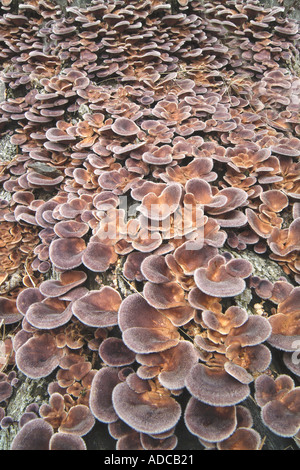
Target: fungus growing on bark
[(222, 278), (34, 435), (48, 314), (170, 366), (285, 325), (241, 439), (9, 312), (98, 308), (98, 256), (125, 127), (38, 356), (279, 401), (148, 412), (66, 441), (162, 206), (103, 385), (66, 253), (139, 142), (68, 280), (114, 352), (79, 421), (210, 423), (215, 387), (152, 332), (6, 389)]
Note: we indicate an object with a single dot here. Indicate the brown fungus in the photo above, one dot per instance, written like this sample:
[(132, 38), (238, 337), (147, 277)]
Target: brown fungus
[(211, 423), (98, 308), (9, 312), (241, 439), (147, 412), (189, 111), (280, 411), (151, 332), (115, 353), (66, 253), (34, 435), (103, 385), (223, 278), (215, 387), (66, 441), (38, 356), (67, 281)]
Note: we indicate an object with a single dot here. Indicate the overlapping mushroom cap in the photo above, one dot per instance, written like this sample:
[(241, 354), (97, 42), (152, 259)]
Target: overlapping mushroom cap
[(221, 278), (98, 308), (148, 411), (151, 145), (146, 333), (279, 401)]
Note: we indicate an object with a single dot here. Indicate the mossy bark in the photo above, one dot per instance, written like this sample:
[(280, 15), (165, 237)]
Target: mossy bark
[(26, 392)]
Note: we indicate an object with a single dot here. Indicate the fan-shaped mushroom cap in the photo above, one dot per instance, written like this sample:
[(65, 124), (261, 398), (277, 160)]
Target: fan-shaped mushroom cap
[(283, 417), (146, 333), (291, 303), (38, 356), (172, 365), (155, 269), (115, 353), (71, 229), (268, 389), (34, 435), (163, 296), (79, 421), (66, 253), (285, 331), (67, 281), (98, 308), (145, 241), (160, 207), (147, 412), (263, 229), (241, 439), (254, 331), (221, 278), (290, 362), (132, 266), (98, 256), (282, 246), (6, 389), (102, 387), (211, 423), (202, 192), (152, 443), (125, 127), (66, 441), (223, 322), (238, 372), (215, 387), (49, 314), (9, 312), (275, 200)]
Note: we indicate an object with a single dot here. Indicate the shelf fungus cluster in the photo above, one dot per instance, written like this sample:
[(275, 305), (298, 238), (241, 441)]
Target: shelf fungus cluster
[(151, 188)]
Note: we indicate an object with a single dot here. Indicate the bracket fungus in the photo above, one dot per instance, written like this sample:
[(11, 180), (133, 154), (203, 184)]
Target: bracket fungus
[(221, 278), (279, 401), (34, 435), (149, 221), (98, 308), (150, 412)]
